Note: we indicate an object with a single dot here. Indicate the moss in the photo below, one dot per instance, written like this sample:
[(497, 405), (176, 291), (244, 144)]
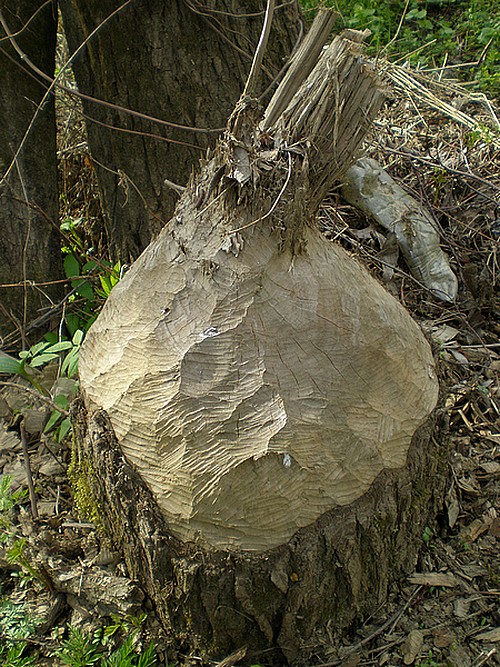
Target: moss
[(80, 475)]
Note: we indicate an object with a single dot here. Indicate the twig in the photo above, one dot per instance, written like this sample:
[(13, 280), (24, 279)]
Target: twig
[(26, 456), (260, 50), (390, 624), (179, 189), (25, 26), (276, 201), (40, 106), (34, 392), (116, 107)]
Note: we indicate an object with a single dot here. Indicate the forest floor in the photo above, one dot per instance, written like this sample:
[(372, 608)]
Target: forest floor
[(442, 144)]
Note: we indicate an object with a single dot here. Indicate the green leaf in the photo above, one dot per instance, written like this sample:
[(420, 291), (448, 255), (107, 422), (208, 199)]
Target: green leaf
[(71, 266), (77, 337), (42, 359), (64, 429), (106, 285), (39, 347), (84, 289), (89, 266), (60, 347), (9, 365), (73, 322), (147, 659), (70, 363), (55, 416)]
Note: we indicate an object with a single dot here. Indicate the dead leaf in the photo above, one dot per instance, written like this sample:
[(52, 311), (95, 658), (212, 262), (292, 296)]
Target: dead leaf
[(434, 579), (443, 637), (461, 607), (495, 527), (471, 532), (490, 636), (490, 467), (352, 660), (411, 647)]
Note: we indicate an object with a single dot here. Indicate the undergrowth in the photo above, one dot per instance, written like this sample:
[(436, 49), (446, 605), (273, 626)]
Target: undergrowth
[(463, 36)]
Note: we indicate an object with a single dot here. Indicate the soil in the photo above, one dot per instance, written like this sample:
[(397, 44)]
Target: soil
[(448, 611)]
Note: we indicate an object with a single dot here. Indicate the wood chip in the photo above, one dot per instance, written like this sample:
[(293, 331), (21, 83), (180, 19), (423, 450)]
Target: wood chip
[(434, 579), (471, 532), (412, 646), (233, 658), (443, 637), (490, 636), (495, 527)]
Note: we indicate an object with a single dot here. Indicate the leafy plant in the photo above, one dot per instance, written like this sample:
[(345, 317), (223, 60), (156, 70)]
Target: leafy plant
[(39, 355), (79, 650), (12, 656), (431, 33), (16, 625), (9, 499), (84, 650)]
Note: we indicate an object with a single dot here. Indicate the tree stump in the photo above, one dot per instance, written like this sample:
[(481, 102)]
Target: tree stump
[(258, 413)]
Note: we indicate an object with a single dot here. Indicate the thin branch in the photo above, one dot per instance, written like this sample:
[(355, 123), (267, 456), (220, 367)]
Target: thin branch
[(8, 37), (59, 75), (260, 50), (37, 395), (110, 105), (27, 464)]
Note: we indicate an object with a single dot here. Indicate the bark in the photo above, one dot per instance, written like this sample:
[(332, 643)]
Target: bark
[(29, 242), (257, 429), (184, 62)]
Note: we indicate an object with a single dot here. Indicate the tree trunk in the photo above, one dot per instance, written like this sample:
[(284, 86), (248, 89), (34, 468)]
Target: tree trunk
[(257, 429), (29, 242), (181, 61)]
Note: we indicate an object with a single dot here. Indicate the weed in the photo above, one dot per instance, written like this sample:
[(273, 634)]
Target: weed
[(430, 34)]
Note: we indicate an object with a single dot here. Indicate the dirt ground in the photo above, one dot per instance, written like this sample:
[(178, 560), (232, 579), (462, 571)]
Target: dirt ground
[(442, 144)]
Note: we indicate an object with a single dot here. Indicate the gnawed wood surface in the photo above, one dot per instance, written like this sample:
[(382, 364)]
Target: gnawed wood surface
[(257, 394), (257, 406)]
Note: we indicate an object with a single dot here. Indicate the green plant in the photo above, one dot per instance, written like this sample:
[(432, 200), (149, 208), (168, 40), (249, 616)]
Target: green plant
[(8, 500), (81, 649), (429, 661), (16, 625), (16, 556), (426, 535), (126, 624), (431, 33), (12, 656)]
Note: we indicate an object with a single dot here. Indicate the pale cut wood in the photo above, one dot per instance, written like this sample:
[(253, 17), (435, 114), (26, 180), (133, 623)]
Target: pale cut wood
[(254, 389), (257, 395), (301, 65)]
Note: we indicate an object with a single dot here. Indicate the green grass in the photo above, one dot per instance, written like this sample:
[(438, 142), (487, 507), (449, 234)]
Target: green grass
[(431, 33)]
